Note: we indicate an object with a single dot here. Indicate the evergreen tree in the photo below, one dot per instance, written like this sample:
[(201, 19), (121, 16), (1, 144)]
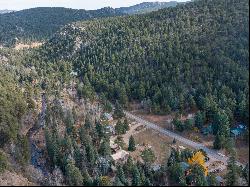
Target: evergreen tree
[(219, 141), (136, 180), (3, 162), (245, 173), (199, 120), (211, 179), (176, 172), (128, 166), (148, 156), (131, 146), (87, 180), (121, 175), (232, 177), (73, 175), (118, 182), (105, 149)]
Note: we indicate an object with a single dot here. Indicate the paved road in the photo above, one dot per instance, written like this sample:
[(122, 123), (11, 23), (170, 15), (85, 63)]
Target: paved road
[(211, 153)]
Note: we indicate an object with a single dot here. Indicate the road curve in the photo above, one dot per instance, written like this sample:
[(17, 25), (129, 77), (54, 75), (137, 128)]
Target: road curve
[(211, 153)]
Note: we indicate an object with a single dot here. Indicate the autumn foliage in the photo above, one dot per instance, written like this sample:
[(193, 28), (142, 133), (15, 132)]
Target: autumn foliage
[(198, 158)]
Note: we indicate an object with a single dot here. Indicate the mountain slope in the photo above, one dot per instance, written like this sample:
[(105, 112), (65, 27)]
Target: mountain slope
[(41, 23), (193, 55), (147, 7), (5, 11)]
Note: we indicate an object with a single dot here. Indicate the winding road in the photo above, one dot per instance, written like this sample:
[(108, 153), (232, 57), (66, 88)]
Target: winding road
[(211, 153)]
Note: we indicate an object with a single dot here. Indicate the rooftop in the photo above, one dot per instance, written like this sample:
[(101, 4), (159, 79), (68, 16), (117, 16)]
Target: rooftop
[(120, 155)]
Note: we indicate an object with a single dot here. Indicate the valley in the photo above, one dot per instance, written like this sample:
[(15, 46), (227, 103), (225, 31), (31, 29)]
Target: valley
[(155, 94)]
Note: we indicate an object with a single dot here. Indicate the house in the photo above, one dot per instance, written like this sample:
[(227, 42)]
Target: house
[(185, 167), (190, 116), (107, 116), (73, 73), (156, 167), (110, 130), (114, 147), (219, 180), (121, 156), (238, 130)]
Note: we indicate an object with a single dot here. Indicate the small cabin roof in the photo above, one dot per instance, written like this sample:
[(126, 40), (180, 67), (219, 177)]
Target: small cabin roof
[(184, 165), (120, 155)]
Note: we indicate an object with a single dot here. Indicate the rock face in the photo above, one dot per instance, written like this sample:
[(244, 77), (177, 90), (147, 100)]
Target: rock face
[(13, 179)]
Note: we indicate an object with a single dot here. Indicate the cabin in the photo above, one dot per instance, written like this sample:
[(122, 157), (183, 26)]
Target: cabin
[(238, 130), (219, 180), (121, 156), (114, 147), (110, 130), (107, 116), (73, 73), (156, 167), (185, 167)]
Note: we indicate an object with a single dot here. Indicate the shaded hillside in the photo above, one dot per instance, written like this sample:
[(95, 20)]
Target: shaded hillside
[(41, 23), (147, 7)]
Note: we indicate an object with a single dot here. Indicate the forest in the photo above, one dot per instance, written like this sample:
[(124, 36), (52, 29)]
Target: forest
[(192, 56), (39, 24)]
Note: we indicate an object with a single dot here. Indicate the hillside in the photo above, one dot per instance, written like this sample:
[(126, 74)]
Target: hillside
[(147, 7), (5, 11), (62, 101), (41, 23), (194, 55)]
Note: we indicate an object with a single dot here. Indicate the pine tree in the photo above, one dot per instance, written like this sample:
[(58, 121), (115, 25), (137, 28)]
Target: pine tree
[(73, 175), (121, 175), (219, 141), (105, 149), (3, 162), (99, 130), (87, 180), (118, 182), (232, 176), (212, 179), (131, 146), (128, 166), (91, 154), (199, 120), (136, 180)]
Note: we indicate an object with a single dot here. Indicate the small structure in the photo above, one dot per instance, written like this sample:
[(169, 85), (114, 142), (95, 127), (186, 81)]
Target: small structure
[(114, 147), (110, 130), (238, 130), (156, 167), (220, 180), (185, 167), (107, 116), (182, 147), (73, 73), (121, 156), (190, 116)]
